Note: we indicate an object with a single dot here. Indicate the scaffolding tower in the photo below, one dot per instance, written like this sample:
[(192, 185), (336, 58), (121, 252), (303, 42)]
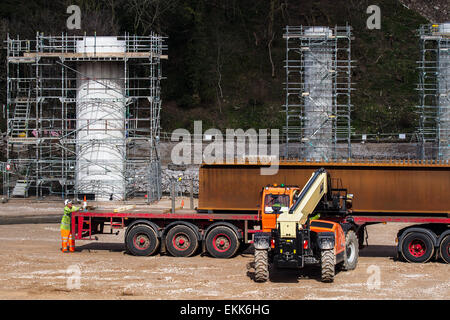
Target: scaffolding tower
[(434, 90), (45, 137), (318, 89)]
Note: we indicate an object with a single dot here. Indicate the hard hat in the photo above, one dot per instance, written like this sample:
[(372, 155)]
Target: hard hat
[(67, 202)]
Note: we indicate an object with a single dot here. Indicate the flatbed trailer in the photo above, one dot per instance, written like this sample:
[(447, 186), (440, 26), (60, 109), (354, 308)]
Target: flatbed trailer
[(221, 234), (180, 233)]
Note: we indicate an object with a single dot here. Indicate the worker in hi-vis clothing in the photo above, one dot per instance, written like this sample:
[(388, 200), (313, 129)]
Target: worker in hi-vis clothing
[(67, 240)]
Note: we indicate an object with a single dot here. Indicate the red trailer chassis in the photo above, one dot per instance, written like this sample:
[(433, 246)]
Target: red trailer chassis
[(220, 234), (229, 230)]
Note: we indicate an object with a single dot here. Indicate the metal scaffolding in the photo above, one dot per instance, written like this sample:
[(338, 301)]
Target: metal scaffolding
[(434, 90), (44, 137), (318, 92)]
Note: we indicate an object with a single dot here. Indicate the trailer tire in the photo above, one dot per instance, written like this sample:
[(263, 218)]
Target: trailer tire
[(141, 240), (417, 247), (444, 249), (261, 265), (351, 252), (327, 265), (181, 241), (222, 242)]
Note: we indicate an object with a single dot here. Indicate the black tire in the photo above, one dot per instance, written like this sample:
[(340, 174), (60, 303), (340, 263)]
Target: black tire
[(181, 241), (142, 240), (417, 247), (261, 265), (327, 265), (351, 253), (444, 249), (222, 242)]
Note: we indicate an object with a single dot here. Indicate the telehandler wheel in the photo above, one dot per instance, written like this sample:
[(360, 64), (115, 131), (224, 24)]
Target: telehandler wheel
[(351, 252), (261, 265), (327, 265), (444, 249)]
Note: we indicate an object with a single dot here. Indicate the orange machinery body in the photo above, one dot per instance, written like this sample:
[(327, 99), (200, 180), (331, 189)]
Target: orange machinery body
[(284, 195), (319, 226)]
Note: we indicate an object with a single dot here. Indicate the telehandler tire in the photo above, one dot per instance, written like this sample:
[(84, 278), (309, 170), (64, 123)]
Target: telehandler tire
[(261, 265), (327, 265), (351, 252)]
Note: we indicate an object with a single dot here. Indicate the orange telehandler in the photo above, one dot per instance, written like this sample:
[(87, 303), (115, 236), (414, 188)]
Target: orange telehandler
[(292, 237)]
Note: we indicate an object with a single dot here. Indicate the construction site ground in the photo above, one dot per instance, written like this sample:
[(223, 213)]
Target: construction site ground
[(33, 267)]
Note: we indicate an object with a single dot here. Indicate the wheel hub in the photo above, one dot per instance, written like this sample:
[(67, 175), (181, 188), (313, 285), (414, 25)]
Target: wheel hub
[(222, 243), (350, 252), (142, 242), (181, 242), (417, 248)]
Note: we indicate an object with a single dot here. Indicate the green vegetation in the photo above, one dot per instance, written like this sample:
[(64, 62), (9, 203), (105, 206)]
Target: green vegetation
[(225, 62)]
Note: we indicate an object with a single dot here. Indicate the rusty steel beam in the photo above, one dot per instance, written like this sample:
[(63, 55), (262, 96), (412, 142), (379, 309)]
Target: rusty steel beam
[(392, 187)]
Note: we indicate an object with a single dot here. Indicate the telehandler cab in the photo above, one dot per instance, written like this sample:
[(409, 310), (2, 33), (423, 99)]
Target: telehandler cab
[(295, 240)]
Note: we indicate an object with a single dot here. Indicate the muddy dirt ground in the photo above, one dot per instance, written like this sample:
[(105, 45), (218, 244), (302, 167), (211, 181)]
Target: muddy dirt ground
[(32, 267)]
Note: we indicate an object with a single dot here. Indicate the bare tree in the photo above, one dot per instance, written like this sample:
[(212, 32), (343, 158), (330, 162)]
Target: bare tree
[(219, 73), (148, 13), (270, 31)]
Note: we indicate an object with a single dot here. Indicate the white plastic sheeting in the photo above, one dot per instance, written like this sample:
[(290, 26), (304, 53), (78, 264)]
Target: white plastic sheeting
[(444, 27), (100, 113)]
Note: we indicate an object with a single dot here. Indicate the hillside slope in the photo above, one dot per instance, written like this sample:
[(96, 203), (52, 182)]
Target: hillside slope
[(226, 56)]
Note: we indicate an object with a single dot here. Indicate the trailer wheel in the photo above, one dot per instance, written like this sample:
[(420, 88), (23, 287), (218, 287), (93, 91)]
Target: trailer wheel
[(351, 252), (444, 249), (181, 241), (327, 265), (261, 265), (142, 240), (222, 242), (417, 247)]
